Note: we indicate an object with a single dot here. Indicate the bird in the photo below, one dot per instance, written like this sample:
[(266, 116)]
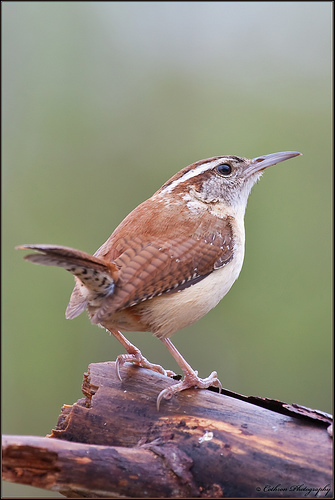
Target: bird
[(169, 262)]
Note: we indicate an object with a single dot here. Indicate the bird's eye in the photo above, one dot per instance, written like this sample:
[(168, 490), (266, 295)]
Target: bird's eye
[(224, 169)]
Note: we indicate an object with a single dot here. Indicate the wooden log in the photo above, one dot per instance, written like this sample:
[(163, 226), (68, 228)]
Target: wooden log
[(114, 443)]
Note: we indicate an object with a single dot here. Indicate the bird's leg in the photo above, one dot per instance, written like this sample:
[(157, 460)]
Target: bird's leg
[(191, 378), (135, 356)]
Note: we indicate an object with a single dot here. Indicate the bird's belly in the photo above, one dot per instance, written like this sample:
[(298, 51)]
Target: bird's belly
[(168, 313)]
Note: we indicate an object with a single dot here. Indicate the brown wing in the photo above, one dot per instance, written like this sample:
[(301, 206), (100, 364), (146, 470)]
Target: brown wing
[(150, 269)]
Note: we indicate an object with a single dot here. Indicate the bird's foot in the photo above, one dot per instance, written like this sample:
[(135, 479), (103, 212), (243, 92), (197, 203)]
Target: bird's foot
[(191, 379), (136, 357)]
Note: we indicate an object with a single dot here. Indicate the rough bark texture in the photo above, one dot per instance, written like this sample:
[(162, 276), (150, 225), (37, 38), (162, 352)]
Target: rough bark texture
[(114, 443)]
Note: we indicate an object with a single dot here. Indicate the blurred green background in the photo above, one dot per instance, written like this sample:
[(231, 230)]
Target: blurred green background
[(102, 103)]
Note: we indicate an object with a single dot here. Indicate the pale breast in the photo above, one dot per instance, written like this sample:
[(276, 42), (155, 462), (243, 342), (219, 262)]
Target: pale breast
[(169, 313)]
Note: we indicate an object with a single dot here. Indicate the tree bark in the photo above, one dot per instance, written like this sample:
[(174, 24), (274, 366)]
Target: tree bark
[(114, 443)]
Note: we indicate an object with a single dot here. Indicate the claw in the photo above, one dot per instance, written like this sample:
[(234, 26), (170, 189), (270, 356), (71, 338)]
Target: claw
[(166, 394), (139, 360), (118, 362), (134, 356), (191, 379)]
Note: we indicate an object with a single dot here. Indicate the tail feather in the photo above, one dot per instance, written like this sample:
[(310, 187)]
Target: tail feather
[(97, 275), (77, 304), (53, 255)]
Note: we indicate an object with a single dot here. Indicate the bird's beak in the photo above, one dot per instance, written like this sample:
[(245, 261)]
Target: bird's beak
[(261, 162)]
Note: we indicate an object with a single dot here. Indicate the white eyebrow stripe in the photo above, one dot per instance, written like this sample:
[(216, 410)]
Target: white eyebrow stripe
[(200, 169)]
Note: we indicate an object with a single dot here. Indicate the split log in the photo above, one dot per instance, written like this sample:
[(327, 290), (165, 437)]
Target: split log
[(114, 443)]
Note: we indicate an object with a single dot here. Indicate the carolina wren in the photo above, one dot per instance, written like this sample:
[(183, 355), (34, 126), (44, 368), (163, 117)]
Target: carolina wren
[(169, 262)]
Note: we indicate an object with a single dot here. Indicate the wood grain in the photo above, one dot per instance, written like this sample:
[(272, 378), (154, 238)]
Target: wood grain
[(113, 443)]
